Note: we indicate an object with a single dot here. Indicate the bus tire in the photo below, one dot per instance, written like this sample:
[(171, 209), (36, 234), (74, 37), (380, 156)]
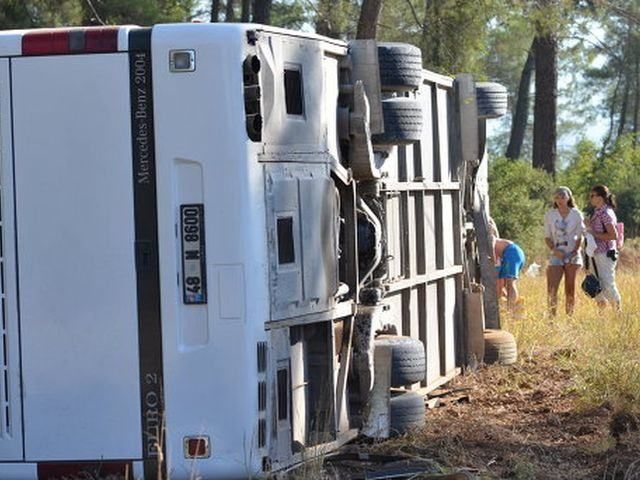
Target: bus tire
[(402, 122), (406, 411), (408, 363), (492, 99), (499, 347), (400, 67)]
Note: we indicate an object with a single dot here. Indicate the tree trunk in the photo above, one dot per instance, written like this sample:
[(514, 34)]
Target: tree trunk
[(323, 18), (626, 93), (215, 11), (625, 105), (612, 113), (245, 13), (368, 22), (521, 112), (262, 11), (229, 14), (636, 98), (323, 27), (544, 109)]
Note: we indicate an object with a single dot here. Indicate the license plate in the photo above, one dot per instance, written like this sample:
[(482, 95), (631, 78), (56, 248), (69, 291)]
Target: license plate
[(194, 273)]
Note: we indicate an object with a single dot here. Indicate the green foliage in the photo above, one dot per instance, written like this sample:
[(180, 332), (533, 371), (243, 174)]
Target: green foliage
[(520, 194), (453, 34), (580, 174), (53, 13), (290, 14), (337, 18), (616, 74), (39, 13), (617, 169), (519, 198), (140, 12)]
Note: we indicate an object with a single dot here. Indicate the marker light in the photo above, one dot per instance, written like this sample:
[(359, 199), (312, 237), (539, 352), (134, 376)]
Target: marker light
[(69, 41)]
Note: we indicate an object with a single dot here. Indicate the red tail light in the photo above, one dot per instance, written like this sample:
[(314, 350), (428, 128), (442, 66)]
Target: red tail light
[(100, 40), (61, 42), (45, 42)]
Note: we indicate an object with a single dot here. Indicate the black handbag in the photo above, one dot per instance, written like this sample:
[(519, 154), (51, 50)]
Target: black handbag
[(591, 283)]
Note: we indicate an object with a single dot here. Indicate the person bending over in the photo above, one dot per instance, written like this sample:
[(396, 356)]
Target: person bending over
[(512, 260)]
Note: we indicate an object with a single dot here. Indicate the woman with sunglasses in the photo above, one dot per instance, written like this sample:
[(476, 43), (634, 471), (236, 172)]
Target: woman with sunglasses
[(563, 231), (602, 225)]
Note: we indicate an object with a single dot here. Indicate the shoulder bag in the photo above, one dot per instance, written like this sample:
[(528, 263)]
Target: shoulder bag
[(591, 283)]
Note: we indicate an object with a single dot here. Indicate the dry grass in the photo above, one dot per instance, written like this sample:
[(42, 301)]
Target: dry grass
[(567, 410), (600, 349)]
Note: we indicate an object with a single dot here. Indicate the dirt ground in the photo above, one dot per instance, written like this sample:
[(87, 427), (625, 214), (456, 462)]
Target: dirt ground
[(523, 422)]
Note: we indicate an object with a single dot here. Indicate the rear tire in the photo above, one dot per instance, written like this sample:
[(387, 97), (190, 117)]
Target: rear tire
[(492, 99), (400, 67), (402, 122), (406, 411), (499, 347), (407, 359)]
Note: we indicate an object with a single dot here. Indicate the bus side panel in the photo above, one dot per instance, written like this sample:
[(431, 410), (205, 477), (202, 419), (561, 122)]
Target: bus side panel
[(10, 402), (77, 274)]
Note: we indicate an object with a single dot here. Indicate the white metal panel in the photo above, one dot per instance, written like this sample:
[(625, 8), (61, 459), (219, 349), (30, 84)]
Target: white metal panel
[(299, 392), (11, 42), (284, 132), (409, 166), (284, 203), (76, 257), (443, 134), (448, 227), (304, 195), (19, 471), (10, 402), (433, 334), (394, 241), (330, 101), (205, 124), (193, 319), (450, 313), (331, 45), (427, 141), (430, 231), (414, 313), (394, 315), (412, 231), (319, 223)]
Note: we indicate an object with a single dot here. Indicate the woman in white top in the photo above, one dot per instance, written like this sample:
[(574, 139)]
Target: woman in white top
[(563, 231)]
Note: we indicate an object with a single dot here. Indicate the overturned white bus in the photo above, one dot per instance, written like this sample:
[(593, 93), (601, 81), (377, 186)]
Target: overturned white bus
[(194, 217)]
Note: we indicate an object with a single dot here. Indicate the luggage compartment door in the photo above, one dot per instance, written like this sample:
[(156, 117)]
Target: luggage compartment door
[(76, 260)]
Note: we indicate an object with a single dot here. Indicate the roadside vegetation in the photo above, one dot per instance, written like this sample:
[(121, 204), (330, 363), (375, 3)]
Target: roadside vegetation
[(520, 193), (599, 349), (569, 408)]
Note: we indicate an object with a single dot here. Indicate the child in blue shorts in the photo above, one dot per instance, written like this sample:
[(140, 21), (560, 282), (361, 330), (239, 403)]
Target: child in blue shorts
[(511, 258)]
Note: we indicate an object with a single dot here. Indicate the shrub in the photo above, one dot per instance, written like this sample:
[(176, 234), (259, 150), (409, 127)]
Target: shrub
[(519, 196)]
